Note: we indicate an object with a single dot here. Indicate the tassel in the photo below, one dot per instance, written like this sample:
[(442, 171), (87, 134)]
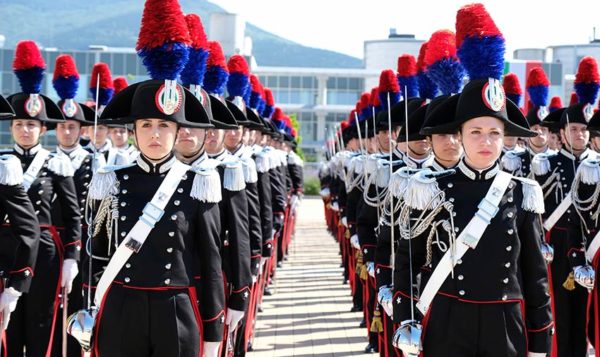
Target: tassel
[(376, 324), (364, 273), (511, 161), (11, 172), (249, 167), (533, 197), (206, 186), (569, 284), (104, 183), (359, 163), (589, 171), (422, 191), (383, 175), (122, 158), (371, 164), (262, 163), (399, 181), (233, 178), (540, 165), (60, 164)]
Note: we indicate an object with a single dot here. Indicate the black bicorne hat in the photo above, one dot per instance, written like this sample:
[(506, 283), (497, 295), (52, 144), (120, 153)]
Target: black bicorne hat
[(416, 118), (6, 110), (77, 111), (536, 115), (35, 106), (440, 111), (552, 120), (580, 113), (222, 116), (254, 121)]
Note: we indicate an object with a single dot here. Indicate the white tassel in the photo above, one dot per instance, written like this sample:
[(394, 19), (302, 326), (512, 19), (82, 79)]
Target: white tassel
[(262, 163), (206, 186), (104, 183), (359, 165), (589, 171), (11, 172), (274, 161), (233, 178), (61, 165), (533, 196), (383, 175), (249, 167), (399, 182), (371, 164), (540, 165), (511, 161), (422, 191)]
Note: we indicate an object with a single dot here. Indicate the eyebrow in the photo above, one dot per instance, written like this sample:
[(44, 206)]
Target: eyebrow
[(478, 127)]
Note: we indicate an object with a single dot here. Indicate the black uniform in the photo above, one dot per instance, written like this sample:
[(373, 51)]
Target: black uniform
[(496, 301), (296, 173), (32, 323), (153, 300), (264, 193)]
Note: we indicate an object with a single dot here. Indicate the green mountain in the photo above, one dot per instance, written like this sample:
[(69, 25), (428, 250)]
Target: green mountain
[(73, 24)]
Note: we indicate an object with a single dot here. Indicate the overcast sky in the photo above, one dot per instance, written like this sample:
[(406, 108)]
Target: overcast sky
[(343, 25)]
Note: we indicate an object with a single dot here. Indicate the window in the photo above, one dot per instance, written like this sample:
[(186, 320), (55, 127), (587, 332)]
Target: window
[(295, 82), (7, 59)]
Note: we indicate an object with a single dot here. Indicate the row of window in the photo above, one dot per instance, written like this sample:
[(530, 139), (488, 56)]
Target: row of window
[(311, 82)]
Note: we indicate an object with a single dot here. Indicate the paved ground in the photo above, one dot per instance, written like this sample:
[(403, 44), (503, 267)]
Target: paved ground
[(309, 313)]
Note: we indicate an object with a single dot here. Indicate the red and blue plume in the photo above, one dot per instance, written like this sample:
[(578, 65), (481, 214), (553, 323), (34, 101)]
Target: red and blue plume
[(255, 94), (352, 118), (587, 80), (216, 75), (164, 40), (343, 125), (365, 109), (388, 87), (261, 102), (574, 99), (443, 66), (407, 76), (538, 87), (375, 103), (480, 44), (239, 76), (427, 87), (195, 68), (269, 104), (66, 78), (555, 104), (512, 88), (107, 89), (120, 83), (29, 67), (278, 119)]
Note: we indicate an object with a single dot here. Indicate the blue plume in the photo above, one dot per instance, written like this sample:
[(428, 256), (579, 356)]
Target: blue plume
[(394, 98), (515, 98), (66, 87), (483, 57), (104, 95), (427, 88), (587, 92), (215, 80), (194, 70), (30, 79), (268, 111), (538, 95), (410, 84), (448, 74), (261, 105), (166, 61), (254, 100), (247, 94), (238, 84)]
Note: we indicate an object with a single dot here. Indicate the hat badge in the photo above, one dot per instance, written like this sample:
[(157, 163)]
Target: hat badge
[(239, 102), (197, 91), (542, 112), (69, 108), (588, 112), (33, 105), (169, 97), (493, 95)]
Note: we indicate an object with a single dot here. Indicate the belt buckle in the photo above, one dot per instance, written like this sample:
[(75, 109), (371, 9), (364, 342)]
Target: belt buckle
[(487, 210), (133, 244), (151, 214)]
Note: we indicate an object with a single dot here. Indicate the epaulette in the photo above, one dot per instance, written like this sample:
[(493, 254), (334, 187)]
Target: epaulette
[(233, 176), (60, 164), (511, 161), (207, 183), (104, 181), (533, 197), (11, 172), (262, 163), (383, 173), (294, 159), (274, 160), (422, 191), (588, 171), (399, 181), (540, 164), (282, 155), (357, 164), (249, 168)]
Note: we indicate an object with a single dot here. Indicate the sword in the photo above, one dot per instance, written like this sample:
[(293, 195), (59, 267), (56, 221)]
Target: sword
[(2, 284), (65, 312)]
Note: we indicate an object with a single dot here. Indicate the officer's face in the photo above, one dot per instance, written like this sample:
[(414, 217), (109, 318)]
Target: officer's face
[(541, 140), (246, 137), (118, 136), (155, 138), (214, 140), (419, 147), (510, 141), (233, 138), (67, 133), (190, 141), (101, 133), (446, 147), (595, 143), (26, 132), (554, 142), (576, 136), (482, 140)]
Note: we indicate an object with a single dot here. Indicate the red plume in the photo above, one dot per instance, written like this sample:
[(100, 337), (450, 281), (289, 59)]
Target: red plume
[(27, 56), (197, 34), (388, 81), (375, 97), (120, 83), (105, 76), (269, 97), (407, 66), (216, 58), (511, 84), (574, 99)]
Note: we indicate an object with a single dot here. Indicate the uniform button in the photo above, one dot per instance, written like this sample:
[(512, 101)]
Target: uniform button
[(504, 297), (568, 211), (168, 266), (87, 175), (574, 255), (123, 234), (38, 202), (561, 170), (171, 234), (451, 199), (86, 161), (461, 293), (169, 250), (126, 177), (460, 277), (510, 215), (453, 214), (44, 173), (167, 281), (123, 218), (505, 280), (37, 212), (124, 191), (509, 248), (174, 217), (459, 261), (562, 178), (43, 182), (84, 193), (510, 231), (127, 279), (559, 163), (123, 204), (86, 184), (176, 202), (127, 265), (510, 199), (26, 272), (83, 201), (180, 190), (40, 192), (450, 185), (456, 229), (184, 177), (507, 265)]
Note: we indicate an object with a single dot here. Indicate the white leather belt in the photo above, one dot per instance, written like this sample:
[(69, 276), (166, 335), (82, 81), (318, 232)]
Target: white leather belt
[(558, 212), (151, 214), (34, 168), (469, 238)]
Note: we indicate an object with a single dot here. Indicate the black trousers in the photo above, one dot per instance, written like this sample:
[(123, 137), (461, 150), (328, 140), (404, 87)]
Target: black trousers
[(31, 324), (145, 323), (570, 306)]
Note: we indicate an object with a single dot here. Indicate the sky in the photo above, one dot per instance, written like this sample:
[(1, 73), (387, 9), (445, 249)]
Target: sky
[(343, 26)]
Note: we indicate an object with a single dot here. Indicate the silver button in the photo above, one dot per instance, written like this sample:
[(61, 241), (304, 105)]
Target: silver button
[(184, 177), (459, 261), (40, 192), (127, 265), (124, 191), (507, 265), (451, 199), (169, 250), (37, 212), (559, 163), (126, 177), (123, 204), (168, 266), (568, 211), (460, 277), (561, 170), (176, 202), (450, 184), (127, 279), (174, 217), (167, 281), (86, 184), (171, 234), (510, 215), (38, 202), (461, 293), (510, 199), (505, 280), (84, 193), (123, 218), (180, 190), (123, 234), (87, 175), (510, 231), (453, 214), (574, 255), (43, 182), (509, 248), (456, 229), (504, 297)]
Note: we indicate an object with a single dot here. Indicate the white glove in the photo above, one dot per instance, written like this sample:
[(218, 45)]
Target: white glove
[(354, 241), (294, 202), (8, 304), (325, 193), (210, 349), (254, 279), (371, 269), (536, 354), (335, 206), (233, 317), (345, 221), (69, 272)]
